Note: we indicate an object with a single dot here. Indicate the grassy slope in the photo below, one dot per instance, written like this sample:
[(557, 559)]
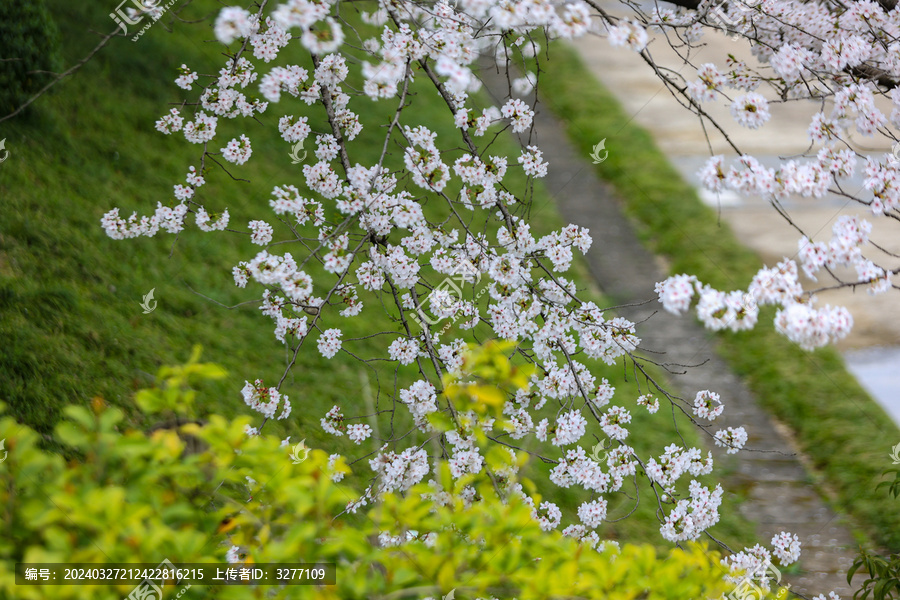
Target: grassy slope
[(71, 326), (847, 434)]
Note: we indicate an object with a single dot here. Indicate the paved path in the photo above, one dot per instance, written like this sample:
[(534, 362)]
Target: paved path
[(876, 369), (779, 495), (679, 134)]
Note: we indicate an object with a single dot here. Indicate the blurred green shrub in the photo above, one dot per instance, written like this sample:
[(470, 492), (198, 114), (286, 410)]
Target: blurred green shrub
[(29, 42), (134, 497)]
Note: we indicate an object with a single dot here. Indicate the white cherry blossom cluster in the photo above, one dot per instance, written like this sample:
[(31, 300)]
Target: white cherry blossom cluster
[(733, 439), (592, 513), (547, 515), (676, 462), (651, 403), (786, 547), (265, 400), (797, 317), (421, 400), (336, 475), (569, 428), (358, 432), (465, 457), (708, 405), (400, 471), (694, 515)]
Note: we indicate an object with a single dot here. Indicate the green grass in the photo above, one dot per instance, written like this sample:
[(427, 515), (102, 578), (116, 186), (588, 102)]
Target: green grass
[(71, 326), (844, 431)]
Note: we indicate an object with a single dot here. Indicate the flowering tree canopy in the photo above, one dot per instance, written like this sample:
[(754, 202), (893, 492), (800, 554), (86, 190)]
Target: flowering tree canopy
[(404, 233)]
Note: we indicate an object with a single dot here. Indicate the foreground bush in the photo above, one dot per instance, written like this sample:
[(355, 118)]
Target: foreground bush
[(27, 33), (187, 494)]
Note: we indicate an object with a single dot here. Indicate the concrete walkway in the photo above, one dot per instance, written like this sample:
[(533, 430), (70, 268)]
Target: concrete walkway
[(679, 134), (772, 474), (876, 368)]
